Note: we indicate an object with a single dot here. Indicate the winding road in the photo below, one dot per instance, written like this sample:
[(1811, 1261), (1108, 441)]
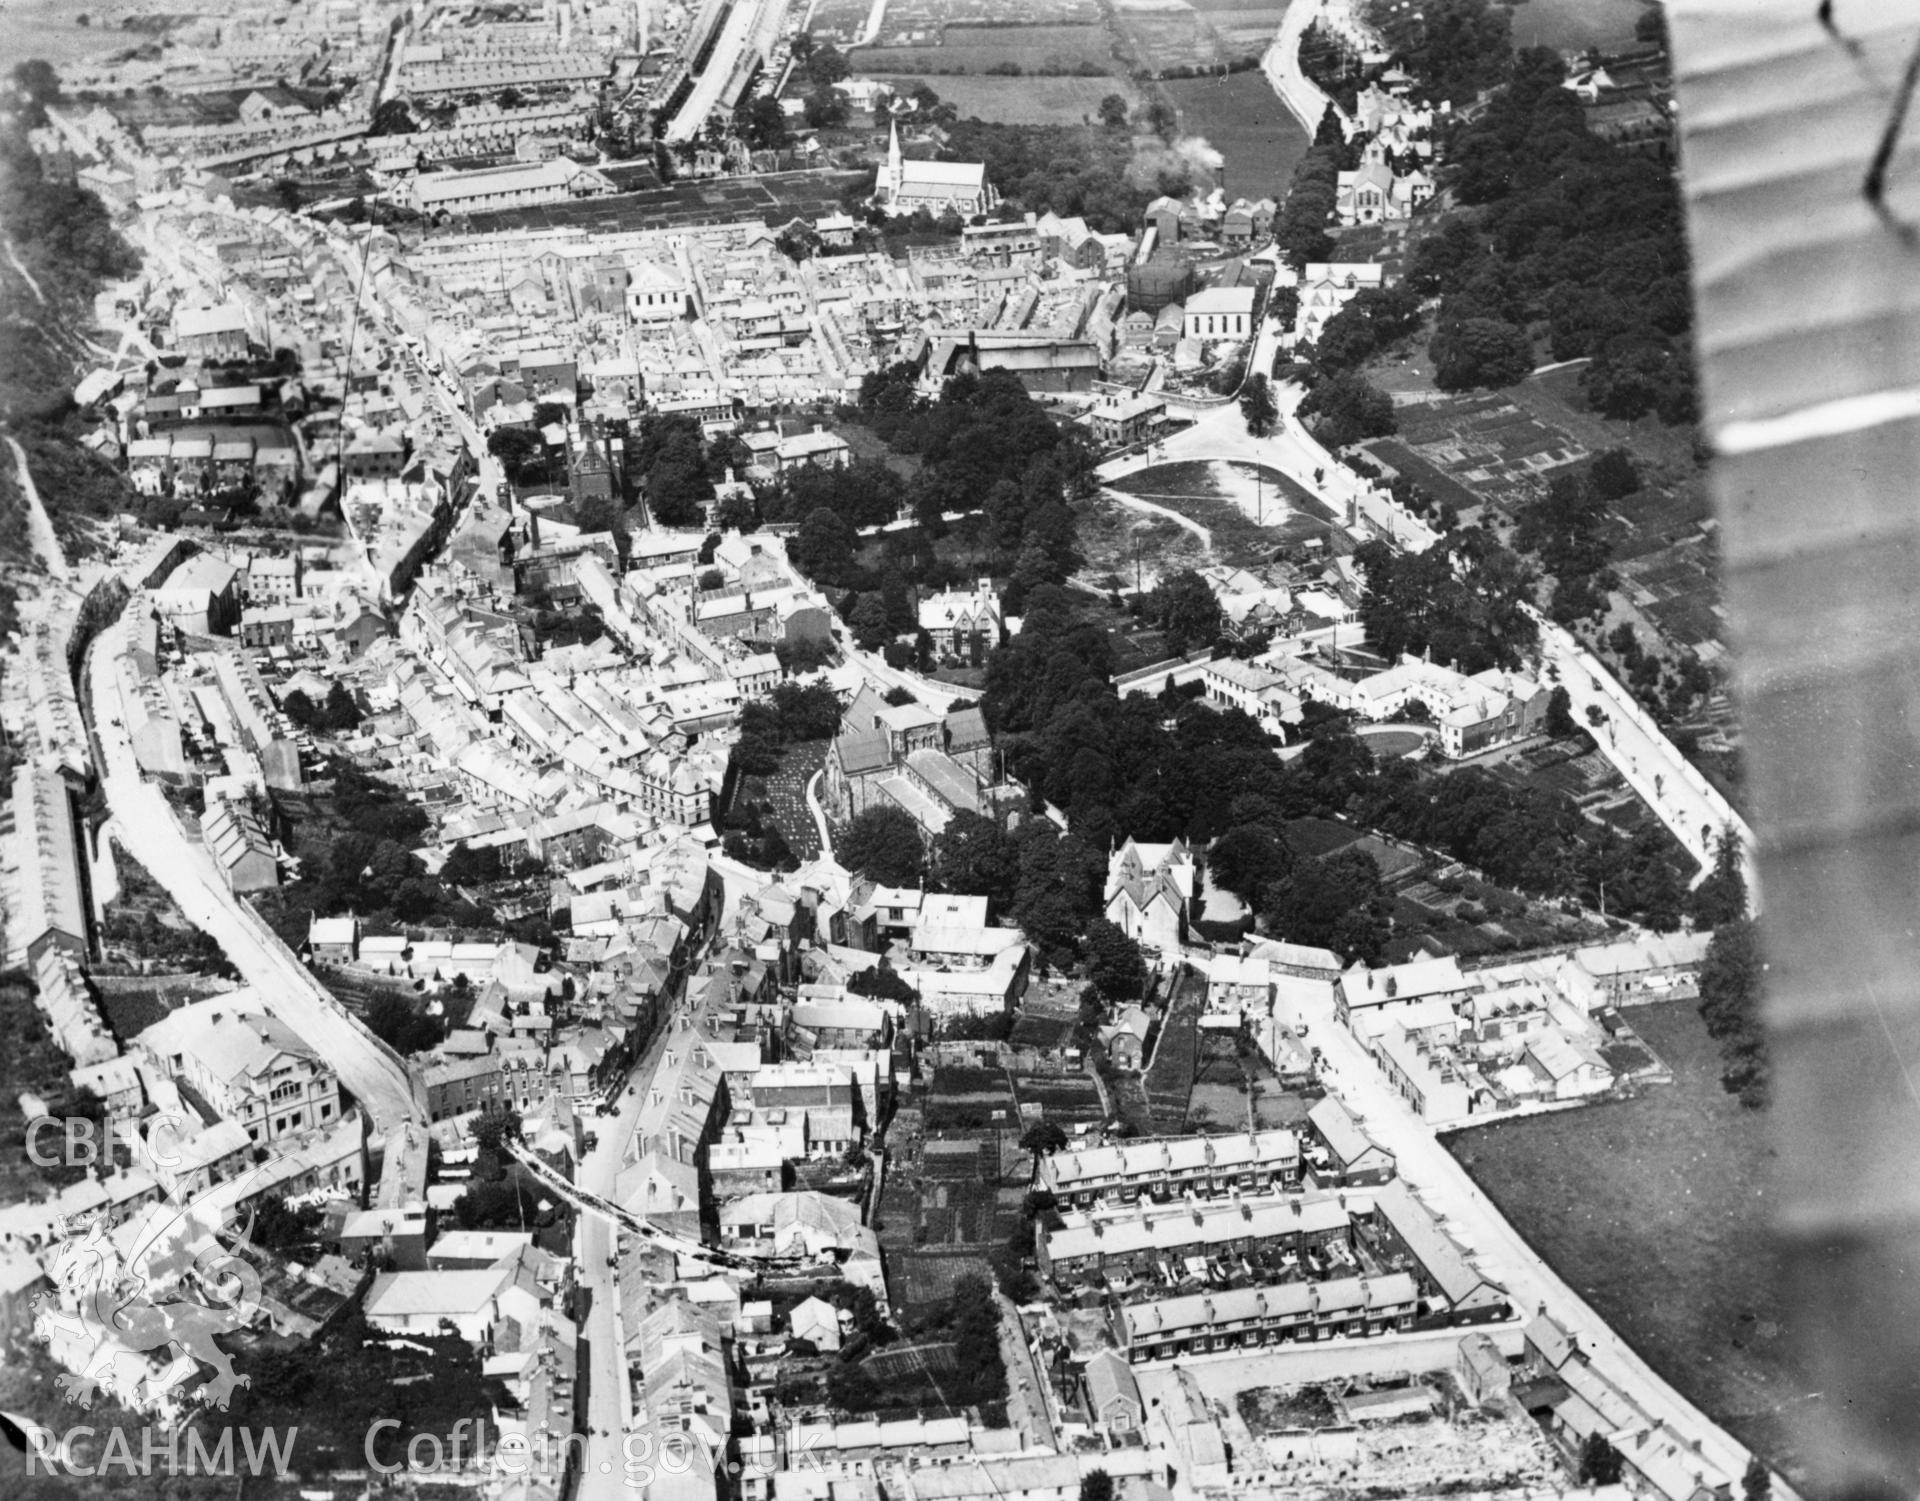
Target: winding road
[(372, 1073), (1148, 508)]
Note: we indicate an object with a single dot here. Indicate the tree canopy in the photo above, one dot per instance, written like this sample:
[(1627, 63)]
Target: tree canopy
[(884, 843)]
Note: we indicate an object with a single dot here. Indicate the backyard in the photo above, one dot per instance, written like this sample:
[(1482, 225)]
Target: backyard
[(1654, 1210)]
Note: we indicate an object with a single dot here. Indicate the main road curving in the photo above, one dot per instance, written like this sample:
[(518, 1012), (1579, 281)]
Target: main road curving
[(146, 824)]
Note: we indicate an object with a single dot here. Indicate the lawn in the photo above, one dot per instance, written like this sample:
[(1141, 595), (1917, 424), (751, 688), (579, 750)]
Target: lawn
[(1654, 1210), (1021, 101)]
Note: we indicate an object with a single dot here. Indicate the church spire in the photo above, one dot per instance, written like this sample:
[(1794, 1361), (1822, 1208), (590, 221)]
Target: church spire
[(894, 168)]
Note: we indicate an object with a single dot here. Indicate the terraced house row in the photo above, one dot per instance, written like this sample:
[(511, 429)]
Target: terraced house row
[(1173, 1167), (1247, 1318)]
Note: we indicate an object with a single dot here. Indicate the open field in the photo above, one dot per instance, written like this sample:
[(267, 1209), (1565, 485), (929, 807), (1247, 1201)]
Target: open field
[(1253, 512), (1243, 25), (50, 29), (1021, 101), (979, 49), (1564, 24), (1160, 37), (1654, 1210), (1244, 120)]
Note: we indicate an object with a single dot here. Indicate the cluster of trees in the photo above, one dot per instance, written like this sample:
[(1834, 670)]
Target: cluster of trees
[(1461, 601), (821, 65), (1527, 838), (1185, 607), (1257, 405), (983, 445), (1300, 228), (337, 713), (1575, 233), (1345, 408), (1566, 531), (668, 460), (64, 239), (329, 1394), (360, 857), (1373, 320), (403, 1024), (1730, 997), (884, 842), (970, 1321), (751, 834), (1457, 48), (467, 866), (789, 714), (1337, 902), (32, 1064), (1100, 172)]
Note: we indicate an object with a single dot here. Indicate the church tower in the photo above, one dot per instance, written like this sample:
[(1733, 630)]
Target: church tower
[(895, 169)]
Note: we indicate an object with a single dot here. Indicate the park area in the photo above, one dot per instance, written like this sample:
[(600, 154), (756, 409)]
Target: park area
[(1655, 1211), (1251, 511)]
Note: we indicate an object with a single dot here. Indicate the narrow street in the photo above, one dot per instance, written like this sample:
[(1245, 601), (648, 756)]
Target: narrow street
[(1652, 765)]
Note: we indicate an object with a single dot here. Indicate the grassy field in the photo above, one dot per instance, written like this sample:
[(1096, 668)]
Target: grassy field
[(975, 49), (1227, 499), (1244, 120), (1654, 1210), (1021, 101), (1563, 24)]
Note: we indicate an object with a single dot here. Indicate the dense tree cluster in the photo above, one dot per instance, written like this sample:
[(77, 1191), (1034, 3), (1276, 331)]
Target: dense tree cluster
[(1461, 601), (1456, 48), (983, 445), (884, 843), (63, 237), (789, 714), (1373, 320), (1185, 607), (1345, 408), (329, 1394), (1730, 996), (1300, 228), (1104, 175), (1567, 531), (1575, 233), (668, 460), (335, 714), (970, 1320), (402, 1023), (1257, 405)]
